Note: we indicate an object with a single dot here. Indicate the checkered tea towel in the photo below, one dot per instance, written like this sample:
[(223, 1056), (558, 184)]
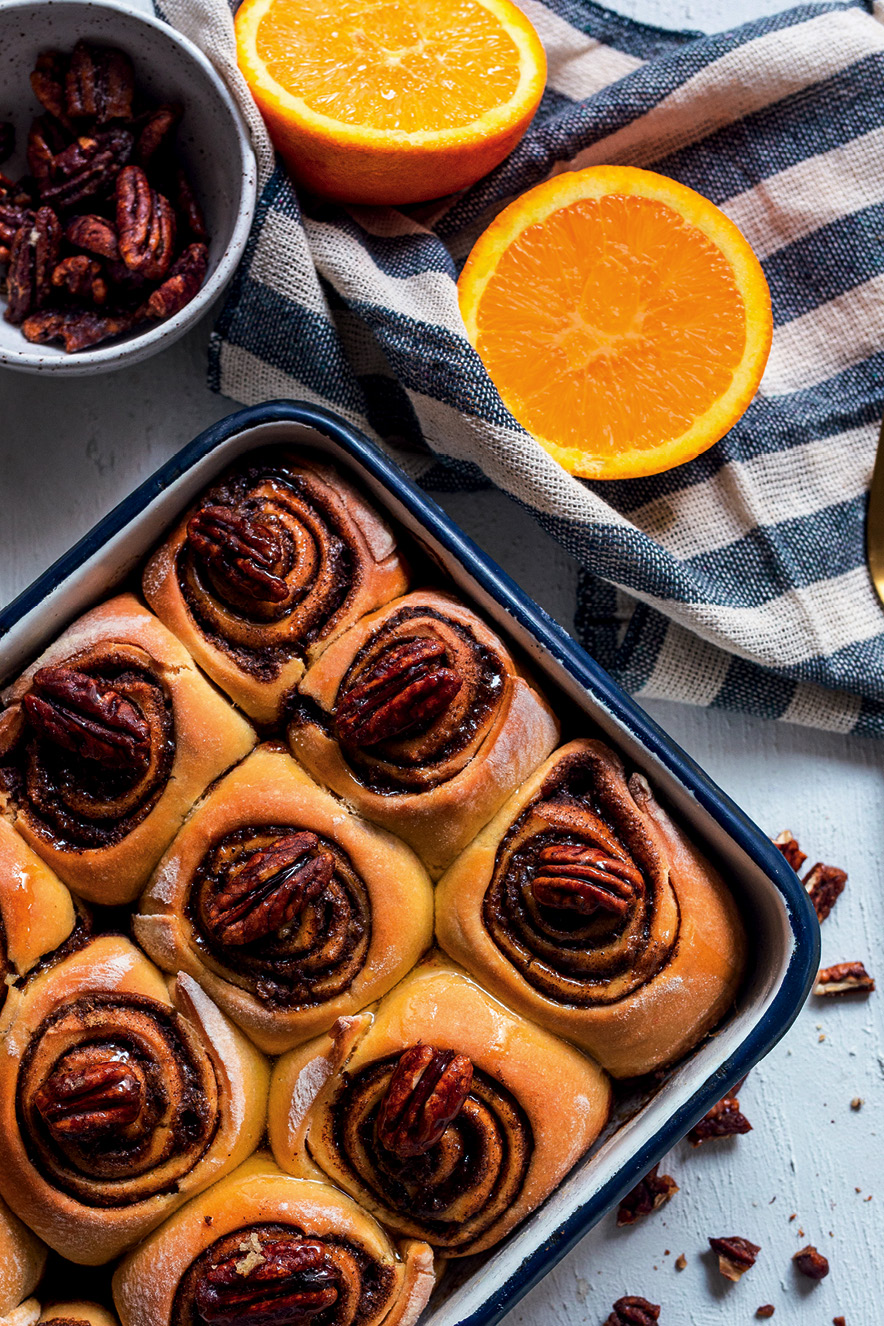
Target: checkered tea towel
[(737, 580)]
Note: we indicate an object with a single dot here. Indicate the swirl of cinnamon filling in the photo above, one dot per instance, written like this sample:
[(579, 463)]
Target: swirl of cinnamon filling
[(267, 565), (463, 1176), (580, 903), (282, 913), (417, 702), (89, 749), (272, 1274), (116, 1099)]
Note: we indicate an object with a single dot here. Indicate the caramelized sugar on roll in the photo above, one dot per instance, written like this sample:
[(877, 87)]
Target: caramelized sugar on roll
[(282, 913)]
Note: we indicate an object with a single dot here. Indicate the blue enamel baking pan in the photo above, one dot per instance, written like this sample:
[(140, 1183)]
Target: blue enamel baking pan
[(781, 920)]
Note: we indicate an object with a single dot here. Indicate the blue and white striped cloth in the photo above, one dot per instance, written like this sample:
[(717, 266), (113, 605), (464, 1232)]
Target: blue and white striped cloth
[(738, 580)]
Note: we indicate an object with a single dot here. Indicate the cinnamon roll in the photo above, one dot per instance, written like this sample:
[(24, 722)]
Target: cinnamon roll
[(261, 1248), (445, 1115), (274, 561), (118, 1101), (585, 908), (421, 719), (36, 911), (288, 910), (77, 1312), (105, 744), (22, 1258)]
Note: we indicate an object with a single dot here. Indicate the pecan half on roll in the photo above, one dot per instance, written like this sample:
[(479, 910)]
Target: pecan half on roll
[(421, 718), (275, 560), (262, 1248), (288, 910), (582, 905), (117, 1101), (105, 744), (431, 1113)]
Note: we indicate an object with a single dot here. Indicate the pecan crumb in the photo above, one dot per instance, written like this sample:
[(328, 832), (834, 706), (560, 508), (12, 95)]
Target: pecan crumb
[(811, 1263), (649, 1194), (788, 845), (766, 1310), (838, 1321), (633, 1311), (208, 1220), (844, 978), (824, 885), (735, 1255), (681, 1262), (723, 1120), (857, 1103), (254, 1255)]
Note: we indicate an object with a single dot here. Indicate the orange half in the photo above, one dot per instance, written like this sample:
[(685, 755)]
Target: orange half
[(377, 101), (623, 318)]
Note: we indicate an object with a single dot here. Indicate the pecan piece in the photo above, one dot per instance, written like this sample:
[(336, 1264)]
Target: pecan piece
[(649, 1194), (12, 218), (76, 329), (407, 687), (81, 278), (426, 1091), (725, 1119), (7, 141), (46, 141), (157, 134), (788, 845), (267, 1284), (47, 82), (824, 884), (270, 890), (189, 210), (32, 257), (811, 1263), (145, 225), (98, 1097), (95, 234), (87, 168), (99, 84), (87, 717), (844, 978), (585, 879), (239, 551), (634, 1311), (186, 276), (736, 1255), (766, 1310)]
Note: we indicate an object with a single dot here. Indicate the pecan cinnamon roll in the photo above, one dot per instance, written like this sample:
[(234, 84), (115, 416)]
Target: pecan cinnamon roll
[(117, 1100), (287, 909), (584, 907), (420, 718), (445, 1115), (22, 1258), (36, 911), (105, 744), (274, 561), (261, 1248)]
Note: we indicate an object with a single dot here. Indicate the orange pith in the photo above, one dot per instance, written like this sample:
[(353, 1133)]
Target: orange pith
[(622, 317)]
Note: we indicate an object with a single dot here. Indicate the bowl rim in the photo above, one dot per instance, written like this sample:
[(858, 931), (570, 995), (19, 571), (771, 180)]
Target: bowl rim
[(142, 344)]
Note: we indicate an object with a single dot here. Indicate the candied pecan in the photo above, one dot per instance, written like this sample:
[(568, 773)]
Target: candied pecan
[(32, 257), (270, 890), (788, 845), (95, 234), (426, 1091), (186, 276), (99, 84), (824, 884), (844, 978), (157, 134), (98, 1097), (46, 141), (811, 1263), (634, 1311), (77, 329), (585, 879), (735, 1255), (145, 225), (268, 1284), (766, 1310), (88, 168), (12, 218), (189, 211), (81, 278), (7, 141), (407, 687), (724, 1120), (649, 1194), (87, 717), (240, 551), (47, 82)]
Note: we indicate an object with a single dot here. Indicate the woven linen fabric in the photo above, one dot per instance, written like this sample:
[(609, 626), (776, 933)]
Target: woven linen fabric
[(737, 580)]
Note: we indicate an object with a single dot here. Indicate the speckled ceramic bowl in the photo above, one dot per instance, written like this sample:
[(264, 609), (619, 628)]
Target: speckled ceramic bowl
[(212, 140)]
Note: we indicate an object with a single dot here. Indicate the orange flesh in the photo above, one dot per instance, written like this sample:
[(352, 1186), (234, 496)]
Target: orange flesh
[(612, 323), (425, 65)]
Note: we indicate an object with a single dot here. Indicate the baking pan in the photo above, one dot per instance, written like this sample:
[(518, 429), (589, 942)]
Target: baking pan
[(651, 1118)]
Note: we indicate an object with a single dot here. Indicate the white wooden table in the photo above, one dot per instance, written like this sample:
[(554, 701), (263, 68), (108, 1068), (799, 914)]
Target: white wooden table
[(70, 450)]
